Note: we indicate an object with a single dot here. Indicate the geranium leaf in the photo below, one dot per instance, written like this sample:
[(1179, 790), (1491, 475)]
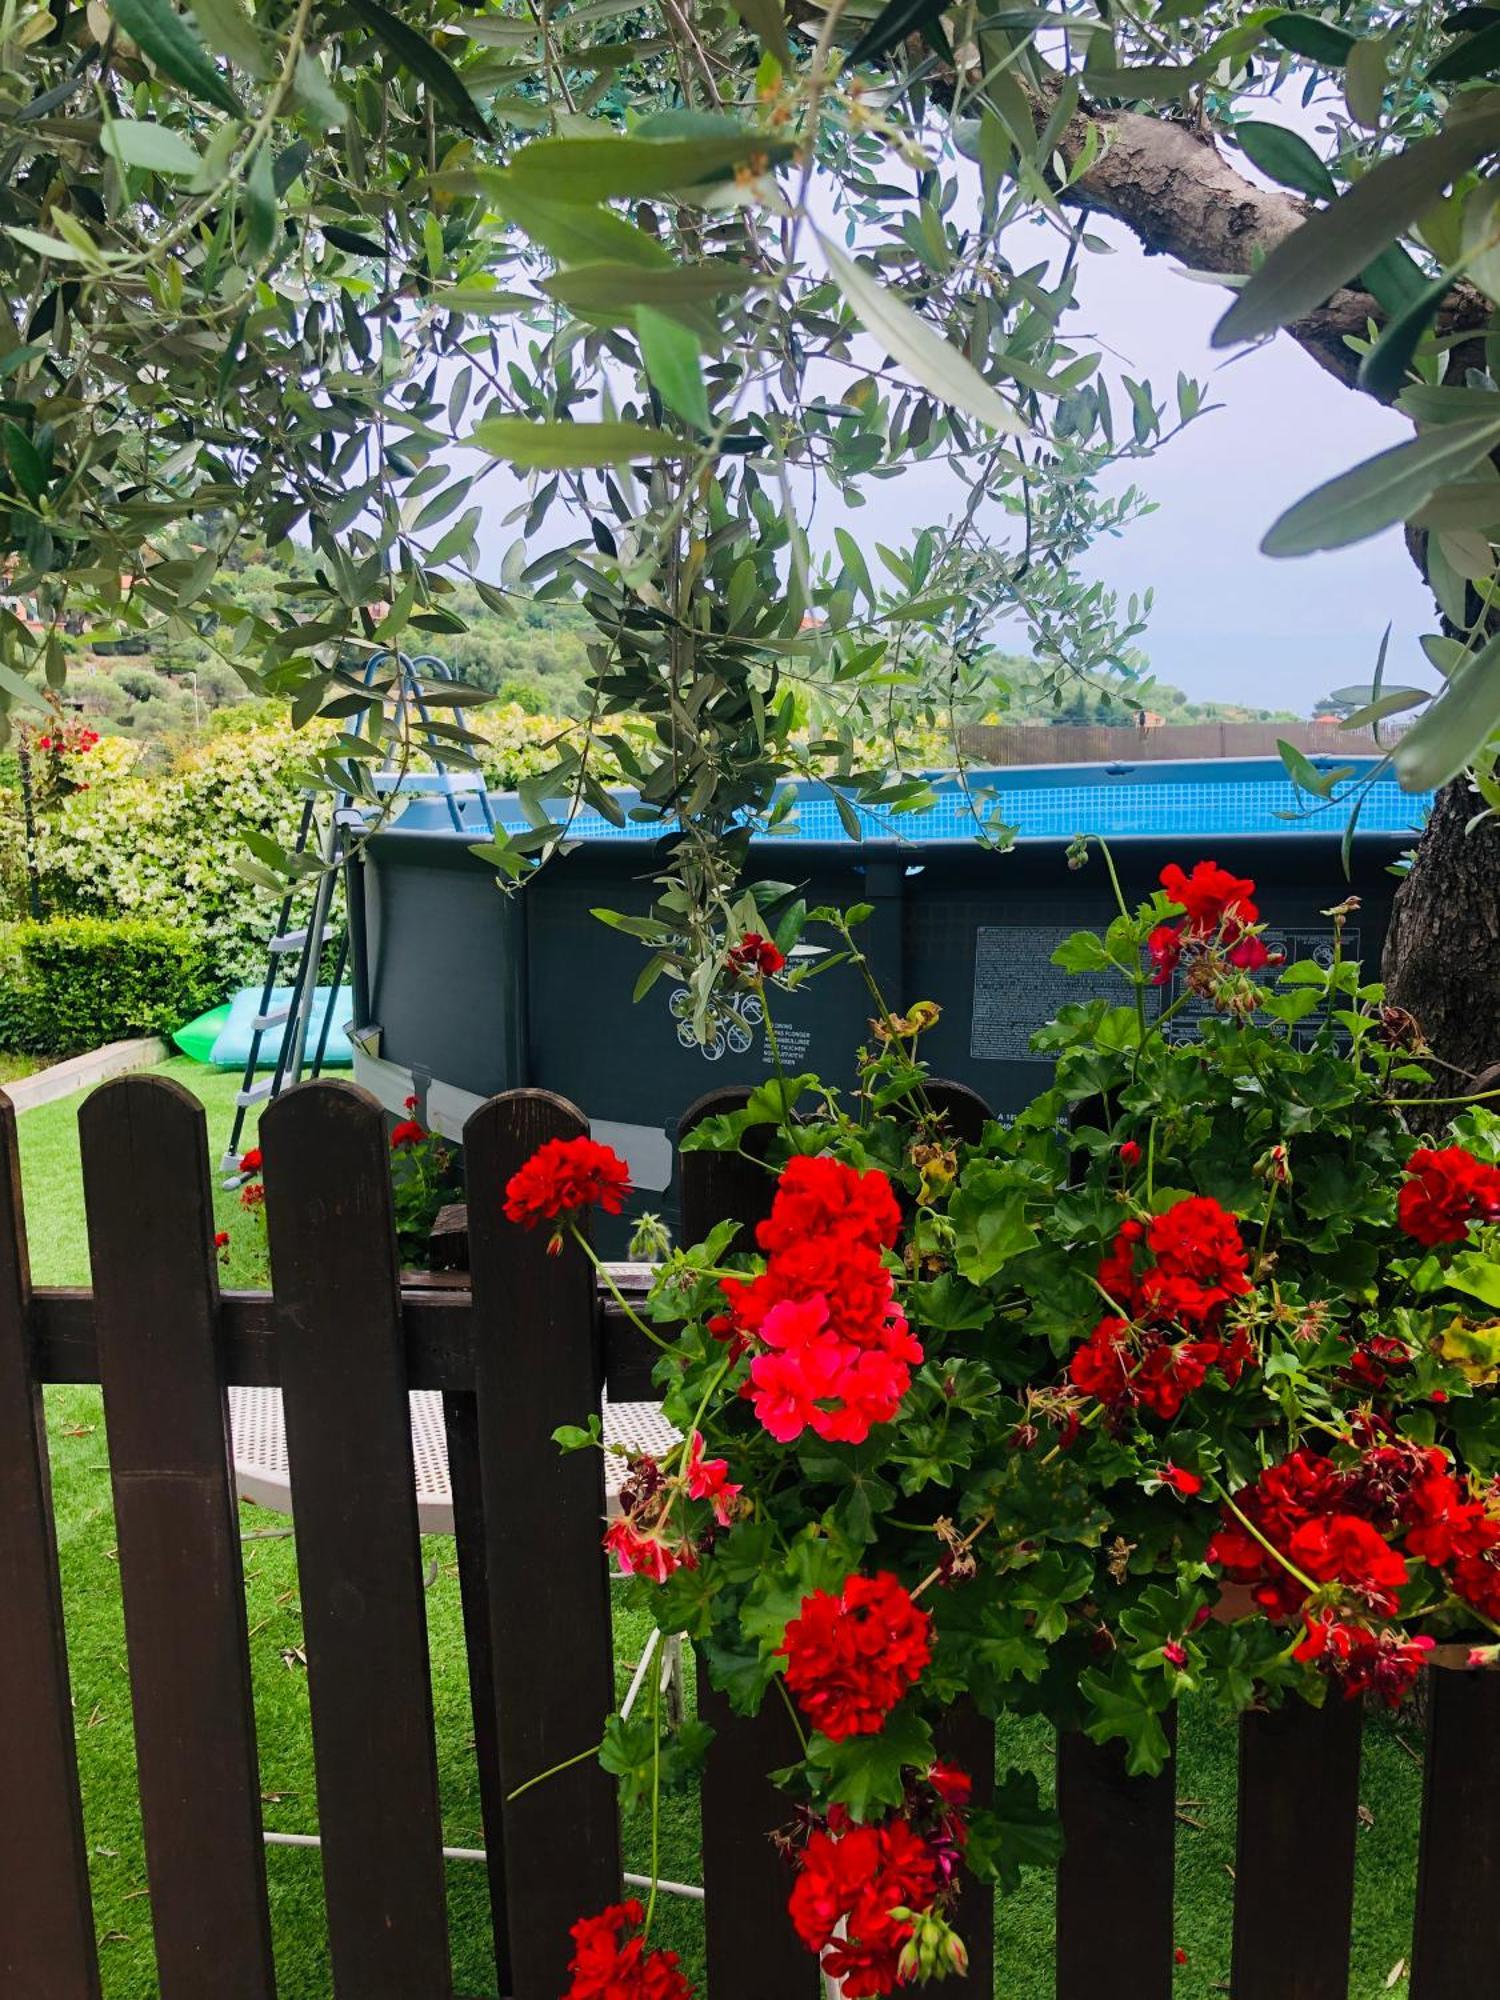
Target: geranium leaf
[(866, 1773)]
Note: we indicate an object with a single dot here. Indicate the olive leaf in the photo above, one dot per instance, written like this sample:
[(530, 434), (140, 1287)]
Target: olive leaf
[(934, 362), (1383, 490), (173, 43), (1336, 244), (549, 446)]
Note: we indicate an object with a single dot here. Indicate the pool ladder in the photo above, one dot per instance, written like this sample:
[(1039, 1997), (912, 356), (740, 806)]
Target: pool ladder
[(416, 689)]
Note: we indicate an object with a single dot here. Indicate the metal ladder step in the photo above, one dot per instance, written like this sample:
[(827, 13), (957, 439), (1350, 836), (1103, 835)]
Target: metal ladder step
[(288, 941), (256, 1094), (260, 1022)]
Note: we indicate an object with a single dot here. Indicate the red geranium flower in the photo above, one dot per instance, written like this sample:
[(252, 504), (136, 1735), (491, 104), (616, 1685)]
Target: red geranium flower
[(566, 1174), (708, 1479), (1180, 1480), (250, 1162), (817, 1195), (647, 1555), (407, 1133), (851, 1657), (1130, 1154), (1219, 910), (1476, 1579), (754, 957), (1342, 1548), (1448, 1190), (849, 1880), (1358, 1658), (612, 1961), (953, 1786)]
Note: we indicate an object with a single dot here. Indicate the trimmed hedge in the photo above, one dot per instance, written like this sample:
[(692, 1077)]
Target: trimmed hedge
[(69, 984)]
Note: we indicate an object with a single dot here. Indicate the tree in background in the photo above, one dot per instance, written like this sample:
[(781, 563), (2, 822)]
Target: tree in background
[(690, 269)]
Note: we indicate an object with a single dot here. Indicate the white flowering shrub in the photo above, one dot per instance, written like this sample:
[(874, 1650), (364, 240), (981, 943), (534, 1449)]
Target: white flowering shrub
[(138, 842)]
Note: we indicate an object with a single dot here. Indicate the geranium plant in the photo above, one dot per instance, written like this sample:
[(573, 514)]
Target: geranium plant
[(1181, 1382)]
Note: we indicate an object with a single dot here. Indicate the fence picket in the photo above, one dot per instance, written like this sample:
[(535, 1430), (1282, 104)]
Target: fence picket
[(348, 1429), (1114, 1882), (752, 1948), (538, 1363), (1456, 1946), (1298, 1796), (148, 1198), (47, 1949)]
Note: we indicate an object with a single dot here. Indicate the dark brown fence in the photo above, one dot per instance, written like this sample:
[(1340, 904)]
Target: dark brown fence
[(1099, 743), (526, 1347)]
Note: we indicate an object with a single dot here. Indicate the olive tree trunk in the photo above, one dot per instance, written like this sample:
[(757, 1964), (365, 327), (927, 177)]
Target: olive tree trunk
[(1181, 197), (1442, 952)]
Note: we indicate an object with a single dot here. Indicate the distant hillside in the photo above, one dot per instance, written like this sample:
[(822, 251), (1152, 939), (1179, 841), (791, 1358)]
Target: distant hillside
[(536, 657)]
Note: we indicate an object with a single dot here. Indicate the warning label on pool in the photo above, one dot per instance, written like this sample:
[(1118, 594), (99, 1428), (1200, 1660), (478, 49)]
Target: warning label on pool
[(1017, 989)]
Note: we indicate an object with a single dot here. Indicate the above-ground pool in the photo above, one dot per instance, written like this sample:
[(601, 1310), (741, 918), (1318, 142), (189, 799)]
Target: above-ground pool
[(463, 990), (1250, 795)]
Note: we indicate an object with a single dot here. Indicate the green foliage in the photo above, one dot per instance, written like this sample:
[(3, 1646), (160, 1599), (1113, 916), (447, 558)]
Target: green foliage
[(1212, 1185), (69, 984), (139, 841)]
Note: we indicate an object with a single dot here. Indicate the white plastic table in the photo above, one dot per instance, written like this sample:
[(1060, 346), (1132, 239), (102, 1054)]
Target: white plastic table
[(263, 1475)]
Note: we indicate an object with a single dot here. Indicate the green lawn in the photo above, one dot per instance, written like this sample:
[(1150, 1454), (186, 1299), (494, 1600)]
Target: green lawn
[(1206, 1776)]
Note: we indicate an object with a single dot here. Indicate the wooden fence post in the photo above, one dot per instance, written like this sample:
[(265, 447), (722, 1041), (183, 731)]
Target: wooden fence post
[(1298, 1824), (538, 1363), (1456, 1946), (156, 1300), (47, 1949), (753, 1950), (1114, 1882), (348, 1433)]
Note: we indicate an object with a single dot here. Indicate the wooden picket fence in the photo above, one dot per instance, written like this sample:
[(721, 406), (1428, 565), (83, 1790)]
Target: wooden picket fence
[(527, 1346)]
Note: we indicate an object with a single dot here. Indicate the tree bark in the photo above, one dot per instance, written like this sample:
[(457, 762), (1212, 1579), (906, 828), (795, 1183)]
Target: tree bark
[(1180, 197), (1442, 953)]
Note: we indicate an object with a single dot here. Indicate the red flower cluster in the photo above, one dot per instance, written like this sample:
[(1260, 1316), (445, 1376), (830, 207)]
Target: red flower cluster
[(612, 1961), (1194, 1265), (1357, 1658), (1220, 908), (849, 1880), (407, 1133), (1338, 1525), (252, 1189), (75, 738), (835, 1352), (851, 1657), (563, 1175), (754, 957), (1446, 1191), (1321, 1521)]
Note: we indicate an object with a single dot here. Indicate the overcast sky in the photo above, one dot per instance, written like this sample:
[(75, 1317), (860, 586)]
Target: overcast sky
[(1229, 622)]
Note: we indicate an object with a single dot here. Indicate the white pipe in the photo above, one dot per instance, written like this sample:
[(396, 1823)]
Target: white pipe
[(478, 1854)]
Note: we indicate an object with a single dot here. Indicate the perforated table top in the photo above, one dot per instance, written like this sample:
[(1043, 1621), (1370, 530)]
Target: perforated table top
[(263, 1475)]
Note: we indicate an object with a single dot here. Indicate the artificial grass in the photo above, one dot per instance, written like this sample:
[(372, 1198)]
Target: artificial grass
[(1390, 1787)]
